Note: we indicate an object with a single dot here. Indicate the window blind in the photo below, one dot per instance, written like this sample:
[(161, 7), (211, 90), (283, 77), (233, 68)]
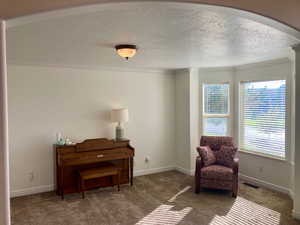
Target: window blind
[(216, 98), (215, 109), (263, 116)]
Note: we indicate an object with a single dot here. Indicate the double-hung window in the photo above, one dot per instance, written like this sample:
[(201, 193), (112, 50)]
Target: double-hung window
[(216, 109), (263, 117)]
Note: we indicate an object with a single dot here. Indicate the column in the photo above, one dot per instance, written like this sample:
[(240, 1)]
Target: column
[(4, 168), (296, 70)]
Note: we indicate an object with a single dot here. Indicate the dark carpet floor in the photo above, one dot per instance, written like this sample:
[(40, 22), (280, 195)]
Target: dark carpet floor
[(164, 199)]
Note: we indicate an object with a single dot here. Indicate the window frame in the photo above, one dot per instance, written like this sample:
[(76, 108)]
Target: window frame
[(287, 117), (205, 115)]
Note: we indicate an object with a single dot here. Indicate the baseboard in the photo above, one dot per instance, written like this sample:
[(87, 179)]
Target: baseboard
[(296, 215), (185, 171), (46, 188), (137, 173), (32, 190), (291, 194), (266, 184)]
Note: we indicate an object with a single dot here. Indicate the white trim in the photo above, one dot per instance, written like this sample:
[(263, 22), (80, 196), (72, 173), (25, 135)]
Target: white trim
[(259, 64), (296, 215), (32, 190), (184, 171), (253, 180), (4, 142), (260, 154), (296, 47), (217, 69), (137, 173), (291, 194), (265, 63), (92, 68), (216, 115), (51, 187), (265, 184)]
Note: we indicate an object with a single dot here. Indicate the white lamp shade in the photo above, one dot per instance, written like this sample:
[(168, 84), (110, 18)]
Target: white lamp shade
[(119, 115)]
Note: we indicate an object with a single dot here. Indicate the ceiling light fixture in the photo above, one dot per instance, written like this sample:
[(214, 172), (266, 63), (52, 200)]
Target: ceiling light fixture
[(126, 51)]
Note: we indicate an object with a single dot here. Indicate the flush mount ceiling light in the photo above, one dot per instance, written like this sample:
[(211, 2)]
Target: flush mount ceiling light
[(126, 51)]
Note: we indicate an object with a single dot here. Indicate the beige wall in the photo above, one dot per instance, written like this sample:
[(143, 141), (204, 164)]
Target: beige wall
[(47, 100)]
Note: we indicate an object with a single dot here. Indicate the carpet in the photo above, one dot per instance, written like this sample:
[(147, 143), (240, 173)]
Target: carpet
[(158, 199)]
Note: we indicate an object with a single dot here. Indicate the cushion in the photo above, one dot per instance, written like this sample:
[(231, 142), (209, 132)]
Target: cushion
[(225, 155), (217, 172), (215, 142), (207, 155)]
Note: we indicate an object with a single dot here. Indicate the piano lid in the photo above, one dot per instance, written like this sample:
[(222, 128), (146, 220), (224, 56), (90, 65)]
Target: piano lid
[(100, 144)]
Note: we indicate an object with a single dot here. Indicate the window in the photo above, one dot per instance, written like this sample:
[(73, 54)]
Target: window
[(262, 124), (215, 109)]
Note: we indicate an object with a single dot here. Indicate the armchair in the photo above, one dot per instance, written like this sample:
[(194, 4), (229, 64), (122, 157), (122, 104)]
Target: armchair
[(215, 175)]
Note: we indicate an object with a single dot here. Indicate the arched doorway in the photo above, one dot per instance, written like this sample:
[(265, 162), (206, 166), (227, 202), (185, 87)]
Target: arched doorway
[(21, 21)]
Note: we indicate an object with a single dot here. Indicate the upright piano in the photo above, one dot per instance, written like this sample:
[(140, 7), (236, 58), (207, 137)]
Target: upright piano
[(92, 153)]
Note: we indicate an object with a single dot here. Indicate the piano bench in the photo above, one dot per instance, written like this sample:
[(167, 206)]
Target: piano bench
[(88, 174)]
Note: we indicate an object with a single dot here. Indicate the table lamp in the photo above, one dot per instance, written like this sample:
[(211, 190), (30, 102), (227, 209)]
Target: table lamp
[(120, 116)]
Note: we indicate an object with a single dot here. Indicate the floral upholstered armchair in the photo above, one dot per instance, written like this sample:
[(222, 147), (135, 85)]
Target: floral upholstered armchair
[(216, 166)]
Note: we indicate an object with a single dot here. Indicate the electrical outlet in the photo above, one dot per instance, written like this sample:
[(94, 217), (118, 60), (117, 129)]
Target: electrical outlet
[(147, 159), (31, 176)]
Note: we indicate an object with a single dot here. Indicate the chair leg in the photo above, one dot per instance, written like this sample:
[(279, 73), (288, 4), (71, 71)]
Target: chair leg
[(234, 194), (235, 188), (197, 184), (197, 189)]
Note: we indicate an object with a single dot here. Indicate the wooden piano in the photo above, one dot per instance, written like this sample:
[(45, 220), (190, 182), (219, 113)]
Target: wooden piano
[(92, 153)]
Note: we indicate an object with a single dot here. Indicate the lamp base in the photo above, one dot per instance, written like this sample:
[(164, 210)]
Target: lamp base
[(119, 133)]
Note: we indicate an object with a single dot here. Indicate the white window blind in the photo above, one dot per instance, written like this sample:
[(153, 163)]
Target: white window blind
[(263, 115), (215, 109)]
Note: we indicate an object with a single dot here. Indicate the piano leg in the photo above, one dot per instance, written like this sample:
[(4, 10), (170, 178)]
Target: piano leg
[(131, 170), (62, 183), (119, 179)]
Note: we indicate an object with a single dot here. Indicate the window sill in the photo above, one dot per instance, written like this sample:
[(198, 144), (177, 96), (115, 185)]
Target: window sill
[(263, 155)]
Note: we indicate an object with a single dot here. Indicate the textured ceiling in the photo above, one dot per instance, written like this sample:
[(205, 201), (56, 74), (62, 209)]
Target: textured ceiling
[(285, 11), (168, 36)]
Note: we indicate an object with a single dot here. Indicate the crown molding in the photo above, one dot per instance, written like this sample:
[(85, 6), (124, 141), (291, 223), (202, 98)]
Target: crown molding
[(296, 48), (181, 70), (93, 68), (217, 69), (264, 63)]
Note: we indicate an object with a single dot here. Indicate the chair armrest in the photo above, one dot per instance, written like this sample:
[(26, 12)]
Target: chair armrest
[(199, 163), (199, 149), (235, 166)]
